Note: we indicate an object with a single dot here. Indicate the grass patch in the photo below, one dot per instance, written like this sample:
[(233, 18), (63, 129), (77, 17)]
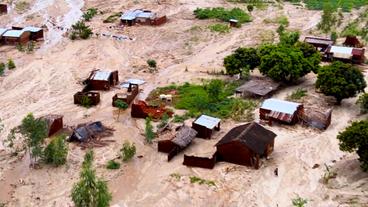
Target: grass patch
[(297, 94), (176, 176), (222, 14), (345, 5), (112, 165), (200, 181), (112, 18), (220, 28)]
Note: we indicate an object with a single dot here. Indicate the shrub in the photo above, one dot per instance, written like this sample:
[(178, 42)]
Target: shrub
[(121, 105), (11, 64), (363, 103), (128, 151), (80, 30), (89, 14), (250, 8), (56, 151), (221, 28), (180, 119), (112, 165), (112, 18), (222, 14), (148, 132), (86, 102), (151, 63), (200, 181), (164, 120), (2, 69), (20, 47), (299, 202), (297, 94)]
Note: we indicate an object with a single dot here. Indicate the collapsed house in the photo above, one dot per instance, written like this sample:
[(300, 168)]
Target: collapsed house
[(89, 132), (275, 110), (87, 98), (352, 41), (182, 139), (127, 96), (3, 9), (345, 54), (14, 37), (257, 87), (144, 17), (206, 125), (54, 123), (101, 80), (317, 118), (141, 109), (321, 44), (35, 32)]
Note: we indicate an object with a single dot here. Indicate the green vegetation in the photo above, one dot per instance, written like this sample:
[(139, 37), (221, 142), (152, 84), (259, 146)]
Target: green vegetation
[(112, 165), (89, 14), (152, 63), (297, 94), (345, 5), (299, 202), (164, 121), (340, 80), (221, 28), (90, 190), (180, 119), (2, 68), (11, 64), (328, 175), (177, 176), (329, 18), (112, 18), (250, 8), (222, 14), (86, 101), (56, 152), (128, 151), (363, 103), (80, 31), (242, 59), (121, 105), (22, 6), (200, 181), (148, 131), (354, 138)]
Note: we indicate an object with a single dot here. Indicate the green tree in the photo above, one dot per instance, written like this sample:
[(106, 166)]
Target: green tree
[(312, 56), (56, 151), (90, 191), (289, 38), (355, 138), (328, 19), (148, 131), (250, 8), (152, 63), (363, 103), (340, 80), (11, 64), (241, 59), (121, 105), (112, 165), (81, 30), (214, 90), (128, 151), (2, 69)]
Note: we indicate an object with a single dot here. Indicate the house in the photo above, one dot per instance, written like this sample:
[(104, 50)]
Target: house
[(321, 44), (94, 130), (205, 125), (2, 31), (35, 32), (54, 123), (144, 17), (101, 80), (346, 54), (202, 162), (233, 22), (352, 41), (182, 139), (280, 111), (3, 9), (14, 37), (317, 117), (88, 98), (141, 109), (127, 96), (245, 145), (257, 87)]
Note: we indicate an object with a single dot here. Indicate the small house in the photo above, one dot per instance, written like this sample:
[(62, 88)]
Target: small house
[(94, 130), (35, 32), (2, 31), (128, 96), (257, 87), (141, 109), (101, 80), (54, 123), (14, 37), (346, 54), (3, 9), (88, 98), (182, 139), (321, 44), (280, 111), (144, 17), (352, 41), (205, 126), (317, 118), (245, 145)]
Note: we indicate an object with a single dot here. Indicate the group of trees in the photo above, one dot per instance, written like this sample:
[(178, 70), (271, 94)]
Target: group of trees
[(10, 65)]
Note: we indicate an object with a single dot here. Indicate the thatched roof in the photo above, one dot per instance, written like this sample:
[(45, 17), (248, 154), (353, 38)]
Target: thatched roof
[(253, 135), (184, 136), (317, 118), (258, 86)]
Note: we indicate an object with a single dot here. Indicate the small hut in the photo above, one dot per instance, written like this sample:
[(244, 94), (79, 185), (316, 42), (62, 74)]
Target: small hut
[(35, 32), (128, 96), (317, 118), (280, 111), (352, 41), (93, 98), (54, 123), (320, 43), (94, 130), (139, 16), (14, 37), (101, 80), (3, 9), (182, 139), (257, 87), (245, 145), (205, 125)]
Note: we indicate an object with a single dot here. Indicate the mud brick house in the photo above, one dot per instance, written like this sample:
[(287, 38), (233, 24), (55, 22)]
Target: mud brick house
[(280, 111), (101, 80), (321, 44), (346, 54), (257, 87), (139, 16), (128, 96), (14, 37), (245, 145), (3, 9), (93, 98), (182, 139), (206, 125), (54, 123), (35, 32)]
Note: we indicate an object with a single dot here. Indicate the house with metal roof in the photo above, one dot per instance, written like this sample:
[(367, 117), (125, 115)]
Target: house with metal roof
[(101, 80), (206, 125), (140, 16), (280, 111), (347, 54), (35, 32), (320, 43), (13, 37)]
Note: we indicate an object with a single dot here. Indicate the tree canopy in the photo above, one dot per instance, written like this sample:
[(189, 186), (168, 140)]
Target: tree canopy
[(340, 80), (241, 59)]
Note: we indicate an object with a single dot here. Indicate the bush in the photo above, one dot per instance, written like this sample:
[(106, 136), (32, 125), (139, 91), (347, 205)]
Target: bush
[(151, 63), (2, 69), (56, 151), (221, 28), (112, 18), (11, 64), (112, 165), (164, 121), (200, 181), (121, 105), (299, 202), (128, 151), (222, 14), (148, 132), (180, 119), (250, 8), (86, 102), (91, 12), (363, 103), (80, 30), (297, 95)]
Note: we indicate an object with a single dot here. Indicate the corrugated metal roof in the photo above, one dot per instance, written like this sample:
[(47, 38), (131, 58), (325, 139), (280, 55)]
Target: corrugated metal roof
[(318, 40), (341, 50), (207, 121), (101, 75), (32, 29), (133, 14), (145, 14), (3, 30), (286, 107), (13, 33)]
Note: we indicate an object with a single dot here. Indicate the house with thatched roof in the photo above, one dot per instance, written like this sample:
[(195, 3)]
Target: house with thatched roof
[(317, 118), (257, 87)]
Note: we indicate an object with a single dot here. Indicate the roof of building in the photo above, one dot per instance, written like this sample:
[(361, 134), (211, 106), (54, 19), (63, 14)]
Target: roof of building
[(317, 118), (258, 86), (101, 75), (13, 33), (318, 40), (92, 130), (32, 29), (184, 136), (341, 50), (253, 135), (133, 14), (286, 107), (2, 31), (207, 121)]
